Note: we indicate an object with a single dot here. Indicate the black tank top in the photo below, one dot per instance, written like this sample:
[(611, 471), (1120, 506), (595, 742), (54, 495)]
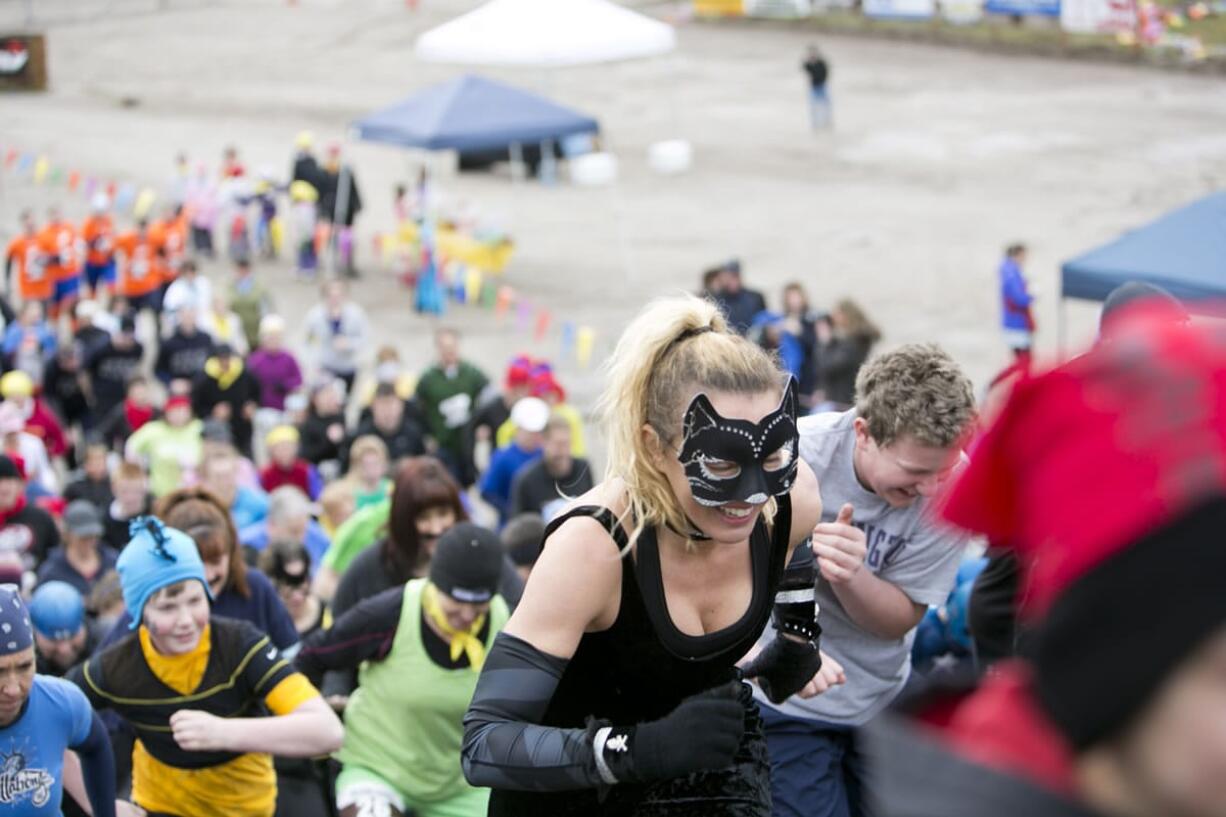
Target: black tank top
[(642, 666)]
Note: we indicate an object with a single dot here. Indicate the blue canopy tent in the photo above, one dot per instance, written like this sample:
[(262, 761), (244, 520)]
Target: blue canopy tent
[(1184, 252), (471, 114)]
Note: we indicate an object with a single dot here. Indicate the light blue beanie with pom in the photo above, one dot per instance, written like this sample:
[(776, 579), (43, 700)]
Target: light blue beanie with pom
[(155, 557)]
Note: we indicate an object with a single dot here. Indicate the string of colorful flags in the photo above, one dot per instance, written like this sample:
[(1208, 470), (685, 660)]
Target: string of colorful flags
[(463, 284), (124, 196), (466, 284)]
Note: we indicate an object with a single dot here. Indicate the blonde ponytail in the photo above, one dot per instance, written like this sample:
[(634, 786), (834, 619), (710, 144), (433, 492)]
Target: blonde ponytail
[(674, 349)]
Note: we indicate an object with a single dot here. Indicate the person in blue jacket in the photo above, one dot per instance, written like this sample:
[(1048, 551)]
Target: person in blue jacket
[(40, 718), (1017, 320)]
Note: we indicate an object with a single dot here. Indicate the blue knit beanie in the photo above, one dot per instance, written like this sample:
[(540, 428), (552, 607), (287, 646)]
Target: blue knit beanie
[(155, 557)]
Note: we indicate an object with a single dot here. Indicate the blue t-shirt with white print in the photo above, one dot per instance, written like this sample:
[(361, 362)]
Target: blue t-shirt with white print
[(57, 717)]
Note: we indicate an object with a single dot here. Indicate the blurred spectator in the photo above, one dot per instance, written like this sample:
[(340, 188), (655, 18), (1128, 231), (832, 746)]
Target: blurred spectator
[(182, 355), (495, 410), (289, 519), (273, 366), (191, 291), (285, 467), (28, 450), (336, 505), (250, 301), (112, 366), (389, 422), (91, 334), (339, 205), (82, 559), (204, 206), (130, 484), (128, 417), (388, 369), (547, 387), (530, 415), (219, 476), (844, 343), (29, 342), (542, 487), (105, 605), (170, 447), (337, 332), (288, 565), (448, 391), (368, 471), (305, 167), (226, 391), (218, 440), (61, 638), (738, 304), (323, 432), (1017, 317), (817, 71), (17, 388), (522, 538), (224, 326), (27, 532), (94, 483), (800, 322), (64, 386)]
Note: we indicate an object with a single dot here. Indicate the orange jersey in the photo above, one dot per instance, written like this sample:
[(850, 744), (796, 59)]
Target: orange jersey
[(99, 235), (63, 251), (33, 282), (141, 265), (171, 236)]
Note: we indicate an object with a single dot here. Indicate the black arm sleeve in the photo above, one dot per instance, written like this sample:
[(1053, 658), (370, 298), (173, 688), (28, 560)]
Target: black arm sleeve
[(504, 745), (793, 656), (98, 769), (364, 633)]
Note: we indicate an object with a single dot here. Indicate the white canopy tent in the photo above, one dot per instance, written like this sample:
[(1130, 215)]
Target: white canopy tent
[(546, 33)]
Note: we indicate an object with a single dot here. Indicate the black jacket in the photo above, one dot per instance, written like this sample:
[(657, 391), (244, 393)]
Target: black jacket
[(406, 441), (109, 370), (314, 445), (838, 363), (329, 199), (182, 356), (207, 393)]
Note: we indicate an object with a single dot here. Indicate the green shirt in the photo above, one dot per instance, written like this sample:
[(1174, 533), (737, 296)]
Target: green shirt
[(449, 402), (170, 452), (357, 533), (405, 721)]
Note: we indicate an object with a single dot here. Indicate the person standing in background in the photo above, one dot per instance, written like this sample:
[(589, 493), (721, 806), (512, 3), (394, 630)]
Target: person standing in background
[(339, 205), (448, 391), (337, 331), (1017, 319), (818, 70)]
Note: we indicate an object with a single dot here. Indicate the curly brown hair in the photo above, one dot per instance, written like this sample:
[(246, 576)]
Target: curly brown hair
[(917, 390)]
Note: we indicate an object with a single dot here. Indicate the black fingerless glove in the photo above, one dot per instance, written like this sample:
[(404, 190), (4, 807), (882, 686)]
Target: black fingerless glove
[(784, 666), (790, 661), (703, 732)]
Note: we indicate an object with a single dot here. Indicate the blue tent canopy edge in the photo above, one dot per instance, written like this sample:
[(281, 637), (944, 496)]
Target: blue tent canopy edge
[(1183, 252), (471, 113)]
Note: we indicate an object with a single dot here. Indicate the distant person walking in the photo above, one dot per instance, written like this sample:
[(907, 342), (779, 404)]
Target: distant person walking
[(1017, 319), (818, 70)]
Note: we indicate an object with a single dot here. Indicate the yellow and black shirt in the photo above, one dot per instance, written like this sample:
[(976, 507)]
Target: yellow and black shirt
[(234, 672)]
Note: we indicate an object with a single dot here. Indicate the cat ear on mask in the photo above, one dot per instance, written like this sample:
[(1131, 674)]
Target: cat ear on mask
[(790, 397), (700, 416)]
